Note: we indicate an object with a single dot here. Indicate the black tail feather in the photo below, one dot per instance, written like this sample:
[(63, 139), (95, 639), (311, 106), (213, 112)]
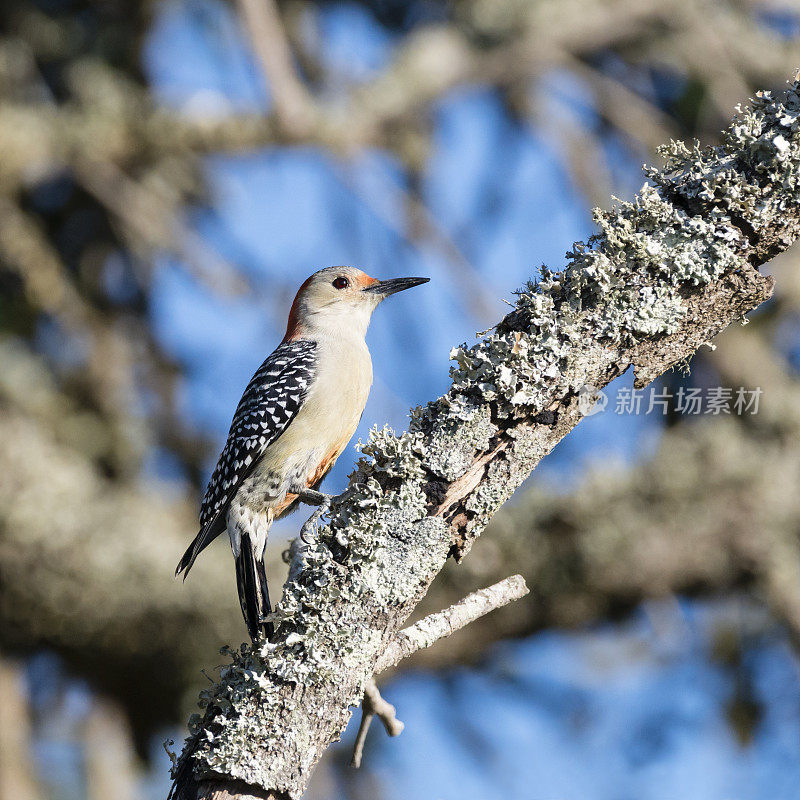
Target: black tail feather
[(199, 543), (251, 581)]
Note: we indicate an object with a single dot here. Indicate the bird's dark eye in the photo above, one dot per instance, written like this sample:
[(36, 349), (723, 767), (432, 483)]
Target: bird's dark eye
[(341, 283)]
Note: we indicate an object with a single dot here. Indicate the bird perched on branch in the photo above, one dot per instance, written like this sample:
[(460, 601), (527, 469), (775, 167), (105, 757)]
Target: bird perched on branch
[(295, 418)]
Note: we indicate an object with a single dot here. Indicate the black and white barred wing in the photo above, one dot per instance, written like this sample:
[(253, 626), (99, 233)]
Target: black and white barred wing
[(270, 402)]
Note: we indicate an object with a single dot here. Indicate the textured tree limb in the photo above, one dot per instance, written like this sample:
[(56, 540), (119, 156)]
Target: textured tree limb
[(665, 274), (713, 511), (437, 626)]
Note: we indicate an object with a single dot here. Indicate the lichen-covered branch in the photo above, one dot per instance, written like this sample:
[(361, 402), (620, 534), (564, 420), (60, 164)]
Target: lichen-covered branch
[(664, 274), (714, 510)]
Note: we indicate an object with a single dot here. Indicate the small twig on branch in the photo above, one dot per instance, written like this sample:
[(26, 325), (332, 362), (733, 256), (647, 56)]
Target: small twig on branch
[(361, 737), (372, 706), (444, 623), (423, 634), (383, 710)]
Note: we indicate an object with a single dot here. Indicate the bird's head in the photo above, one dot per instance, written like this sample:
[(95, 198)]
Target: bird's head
[(339, 299)]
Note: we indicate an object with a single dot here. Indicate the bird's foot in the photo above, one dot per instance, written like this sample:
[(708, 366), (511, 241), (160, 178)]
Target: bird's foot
[(321, 501), (311, 496), (307, 532)]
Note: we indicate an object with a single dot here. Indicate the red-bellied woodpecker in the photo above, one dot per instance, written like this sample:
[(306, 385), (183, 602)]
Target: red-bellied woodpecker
[(295, 418)]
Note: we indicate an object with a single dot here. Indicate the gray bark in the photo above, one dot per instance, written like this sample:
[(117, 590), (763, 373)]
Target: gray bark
[(664, 275), (715, 510)]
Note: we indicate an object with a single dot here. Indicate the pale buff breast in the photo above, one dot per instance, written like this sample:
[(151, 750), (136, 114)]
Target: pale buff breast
[(322, 428)]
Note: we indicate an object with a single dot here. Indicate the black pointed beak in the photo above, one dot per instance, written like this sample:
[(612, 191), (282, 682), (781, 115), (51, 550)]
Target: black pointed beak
[(394, 285)]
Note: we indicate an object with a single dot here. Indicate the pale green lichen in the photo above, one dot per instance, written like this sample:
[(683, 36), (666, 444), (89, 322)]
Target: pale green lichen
[(623, 286), (450, 447), (504, 476), (626, 283), (762, 146)]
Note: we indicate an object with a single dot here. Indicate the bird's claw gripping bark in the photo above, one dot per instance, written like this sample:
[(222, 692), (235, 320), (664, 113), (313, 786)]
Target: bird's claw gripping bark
[(323, 503)]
